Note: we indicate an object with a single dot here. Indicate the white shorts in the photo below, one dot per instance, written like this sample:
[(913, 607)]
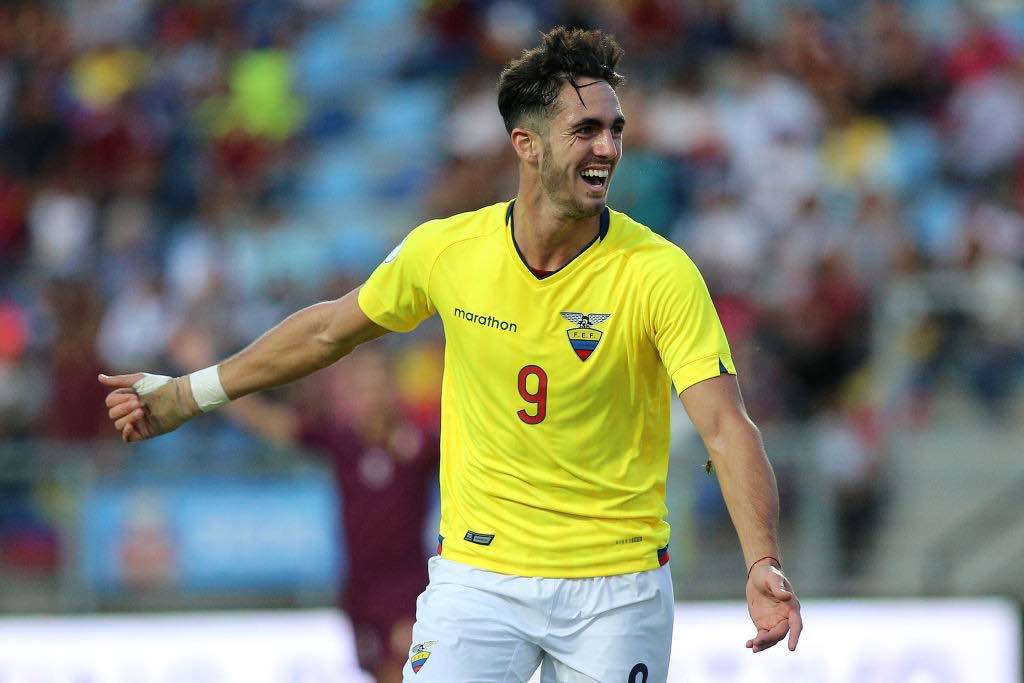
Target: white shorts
[(476, 626)]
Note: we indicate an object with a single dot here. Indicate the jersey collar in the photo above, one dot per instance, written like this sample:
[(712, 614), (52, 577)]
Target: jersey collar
[(602, 232)]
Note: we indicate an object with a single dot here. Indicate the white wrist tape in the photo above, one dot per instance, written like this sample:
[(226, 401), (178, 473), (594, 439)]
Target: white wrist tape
[(150, 382), (207, 389)]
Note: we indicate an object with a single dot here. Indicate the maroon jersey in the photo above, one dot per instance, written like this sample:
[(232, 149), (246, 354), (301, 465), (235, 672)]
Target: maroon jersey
[(385, 494)]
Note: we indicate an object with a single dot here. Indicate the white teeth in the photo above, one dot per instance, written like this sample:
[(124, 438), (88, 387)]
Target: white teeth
[(595, 173)]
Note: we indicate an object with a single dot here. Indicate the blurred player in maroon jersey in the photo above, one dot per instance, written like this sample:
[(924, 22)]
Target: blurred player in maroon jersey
[(384, 466)]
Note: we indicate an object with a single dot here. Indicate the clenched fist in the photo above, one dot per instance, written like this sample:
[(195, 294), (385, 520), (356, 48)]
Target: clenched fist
[(143, 405)]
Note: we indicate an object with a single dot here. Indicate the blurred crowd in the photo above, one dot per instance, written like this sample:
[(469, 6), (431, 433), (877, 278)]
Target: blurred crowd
[(178, 174)]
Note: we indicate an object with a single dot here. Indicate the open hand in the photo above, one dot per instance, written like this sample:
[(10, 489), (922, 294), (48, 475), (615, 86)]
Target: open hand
[(142, 406), (773, 607)]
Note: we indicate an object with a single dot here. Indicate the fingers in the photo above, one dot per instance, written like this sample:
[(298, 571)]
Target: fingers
[(774, 609), (128, 414), (119, 410), (128, 433), (120, 381), (136, 431), (129, 419), (125, 410), (766, 638), (120, 396), (796, 625)]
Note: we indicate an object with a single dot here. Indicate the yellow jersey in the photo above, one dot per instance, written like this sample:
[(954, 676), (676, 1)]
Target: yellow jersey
[(556, 393)]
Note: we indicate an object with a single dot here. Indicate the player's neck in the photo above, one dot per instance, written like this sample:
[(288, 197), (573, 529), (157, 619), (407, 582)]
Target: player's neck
[(546, 238)]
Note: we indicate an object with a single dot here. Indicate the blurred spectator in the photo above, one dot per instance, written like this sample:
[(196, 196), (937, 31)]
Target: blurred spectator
[(13, 205), (472, 128), (981, 51), (680, 118), (770, 124), (986, 119), (816, 52), (61, 224), (75, 410), (136, 326), (34, 136), (23, 378), (996, 357), (727, 240), (850, 463), (107, 22), (899, 76), (875, 241)]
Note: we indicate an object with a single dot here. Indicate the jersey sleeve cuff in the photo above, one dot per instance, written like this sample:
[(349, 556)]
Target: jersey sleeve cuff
[(375, 310), (701, 369)]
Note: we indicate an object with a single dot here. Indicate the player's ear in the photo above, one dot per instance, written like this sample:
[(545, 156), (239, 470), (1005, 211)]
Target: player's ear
[(527, 145)]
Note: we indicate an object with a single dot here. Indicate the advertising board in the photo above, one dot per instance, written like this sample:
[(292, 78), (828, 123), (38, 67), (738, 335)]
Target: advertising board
[(941, 641), (200, 534)]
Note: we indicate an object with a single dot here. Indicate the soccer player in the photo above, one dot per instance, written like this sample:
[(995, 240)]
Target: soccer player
[(385, 467), (566, 324)]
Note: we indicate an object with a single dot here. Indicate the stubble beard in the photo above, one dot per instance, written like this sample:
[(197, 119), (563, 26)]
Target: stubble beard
[(553, 182)]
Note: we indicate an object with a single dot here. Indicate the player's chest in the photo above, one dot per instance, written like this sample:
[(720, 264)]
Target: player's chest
[(578, 320)]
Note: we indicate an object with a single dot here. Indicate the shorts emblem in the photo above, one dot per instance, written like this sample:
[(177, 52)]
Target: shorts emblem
[(420, 654)]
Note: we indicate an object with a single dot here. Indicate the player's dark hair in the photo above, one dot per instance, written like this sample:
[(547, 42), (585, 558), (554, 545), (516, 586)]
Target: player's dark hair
[(529, 85)]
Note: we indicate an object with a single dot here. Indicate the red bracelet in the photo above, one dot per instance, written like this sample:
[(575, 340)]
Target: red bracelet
[(766, 557)]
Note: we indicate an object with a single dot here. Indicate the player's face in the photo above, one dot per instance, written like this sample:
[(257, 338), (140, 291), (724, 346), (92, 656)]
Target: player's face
[(581, 148)]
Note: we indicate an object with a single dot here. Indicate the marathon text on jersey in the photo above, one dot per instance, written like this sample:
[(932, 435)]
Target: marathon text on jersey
[(485, 320)]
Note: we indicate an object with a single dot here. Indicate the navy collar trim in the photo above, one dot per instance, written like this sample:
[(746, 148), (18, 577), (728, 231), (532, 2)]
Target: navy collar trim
[(602, 232)]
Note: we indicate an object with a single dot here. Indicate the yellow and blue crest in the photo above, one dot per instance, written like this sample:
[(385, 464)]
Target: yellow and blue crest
[(420, 654), (584, 338)]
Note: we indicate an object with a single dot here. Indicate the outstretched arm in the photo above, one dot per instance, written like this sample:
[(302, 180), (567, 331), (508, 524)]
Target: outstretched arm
[(143, 406), (751, 495)]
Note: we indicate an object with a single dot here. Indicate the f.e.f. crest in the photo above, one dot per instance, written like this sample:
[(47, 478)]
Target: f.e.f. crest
[(419, 655), (585, 337)]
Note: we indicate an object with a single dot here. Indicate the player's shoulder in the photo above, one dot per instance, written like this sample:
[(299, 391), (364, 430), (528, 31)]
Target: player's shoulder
[(428, 240), (646, 250), (439, 233)]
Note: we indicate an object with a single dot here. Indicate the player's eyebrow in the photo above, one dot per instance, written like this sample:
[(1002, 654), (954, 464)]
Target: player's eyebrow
[(619, 120)]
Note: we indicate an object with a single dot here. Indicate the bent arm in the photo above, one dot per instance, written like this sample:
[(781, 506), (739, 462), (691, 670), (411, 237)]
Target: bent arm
[(752, 496), (734, 445), (301, 344)]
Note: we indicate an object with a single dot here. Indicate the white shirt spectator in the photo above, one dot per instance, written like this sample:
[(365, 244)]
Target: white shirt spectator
[(61, 226), (988, 123)]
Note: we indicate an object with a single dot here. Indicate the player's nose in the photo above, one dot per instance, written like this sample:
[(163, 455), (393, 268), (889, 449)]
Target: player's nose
[(605, 146)]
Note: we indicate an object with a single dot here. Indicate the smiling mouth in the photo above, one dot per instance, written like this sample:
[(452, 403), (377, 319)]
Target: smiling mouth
[(595, 178)]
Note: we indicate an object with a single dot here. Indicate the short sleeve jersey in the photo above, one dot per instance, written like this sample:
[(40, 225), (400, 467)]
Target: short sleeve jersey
[(556, 392)]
